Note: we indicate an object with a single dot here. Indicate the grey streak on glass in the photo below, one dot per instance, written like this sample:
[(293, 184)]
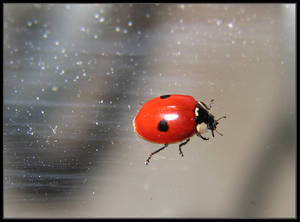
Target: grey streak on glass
[(81, 119)]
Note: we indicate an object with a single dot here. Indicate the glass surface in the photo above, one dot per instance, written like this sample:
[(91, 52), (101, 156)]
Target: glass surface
[(75, 75)]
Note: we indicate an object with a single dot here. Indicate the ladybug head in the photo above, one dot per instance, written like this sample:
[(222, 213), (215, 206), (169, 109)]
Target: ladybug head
[(205, 120), (212, 124)]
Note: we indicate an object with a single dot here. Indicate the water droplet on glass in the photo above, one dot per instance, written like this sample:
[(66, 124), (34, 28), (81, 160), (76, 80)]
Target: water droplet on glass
[(96, 15), (45, 35), (101, 19), (230, 25), (182, 7), (54, 88), (29, 23), (62, 72), (82, 29), (219, 22), (54, 129)]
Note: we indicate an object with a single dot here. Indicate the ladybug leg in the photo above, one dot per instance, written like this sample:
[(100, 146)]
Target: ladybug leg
[(202, 137), (181, 144), (160, 149)]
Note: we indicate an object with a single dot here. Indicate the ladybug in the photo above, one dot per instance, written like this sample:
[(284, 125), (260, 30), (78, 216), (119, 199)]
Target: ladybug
[(174, 118)]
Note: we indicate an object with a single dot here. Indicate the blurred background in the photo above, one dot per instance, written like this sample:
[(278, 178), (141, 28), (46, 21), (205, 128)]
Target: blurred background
[(75, 75)]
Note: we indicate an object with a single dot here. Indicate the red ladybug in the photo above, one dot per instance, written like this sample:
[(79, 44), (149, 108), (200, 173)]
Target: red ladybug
[(174, 118)]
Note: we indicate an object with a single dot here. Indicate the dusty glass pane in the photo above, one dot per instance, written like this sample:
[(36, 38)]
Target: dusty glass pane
[(75, 75)]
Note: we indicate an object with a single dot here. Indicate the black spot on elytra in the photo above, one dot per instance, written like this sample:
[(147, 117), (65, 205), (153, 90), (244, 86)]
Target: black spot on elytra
[(163, 126), (165, 96)]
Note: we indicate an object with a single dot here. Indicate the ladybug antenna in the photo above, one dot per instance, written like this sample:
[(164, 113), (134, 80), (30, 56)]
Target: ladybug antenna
[(223, 117)]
